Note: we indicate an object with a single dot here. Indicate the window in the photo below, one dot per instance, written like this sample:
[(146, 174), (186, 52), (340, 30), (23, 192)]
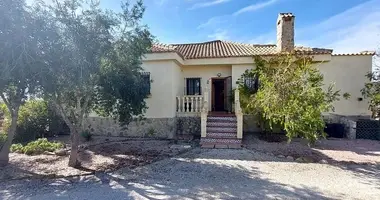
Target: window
[(252, 83), (145, 78), (193, 86)]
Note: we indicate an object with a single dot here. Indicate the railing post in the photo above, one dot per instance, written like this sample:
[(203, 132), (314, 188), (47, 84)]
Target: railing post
[(192, 104), (239, 114), (196, 104), (204, 113)]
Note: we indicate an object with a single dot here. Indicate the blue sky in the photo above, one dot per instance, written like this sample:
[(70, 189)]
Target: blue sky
[(344, 25)]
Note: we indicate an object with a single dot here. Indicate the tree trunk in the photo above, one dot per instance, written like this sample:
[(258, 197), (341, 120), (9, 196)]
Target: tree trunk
[(5, 149), (73, 160)]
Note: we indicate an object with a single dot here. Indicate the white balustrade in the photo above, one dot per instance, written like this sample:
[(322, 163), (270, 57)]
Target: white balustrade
[(189, 104)]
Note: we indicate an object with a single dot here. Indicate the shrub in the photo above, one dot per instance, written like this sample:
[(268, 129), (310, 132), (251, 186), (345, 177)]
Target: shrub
[(86, 135), (288, 91), (3, 138), (37, 147), (35, 121)]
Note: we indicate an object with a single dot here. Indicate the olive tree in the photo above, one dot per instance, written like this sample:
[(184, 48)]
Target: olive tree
[(90, 44), (21, 35)]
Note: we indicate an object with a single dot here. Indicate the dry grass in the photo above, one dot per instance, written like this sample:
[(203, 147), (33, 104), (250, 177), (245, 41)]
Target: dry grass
[(98, 157)]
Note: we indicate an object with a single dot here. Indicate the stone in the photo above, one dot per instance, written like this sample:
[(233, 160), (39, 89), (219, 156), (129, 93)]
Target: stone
[(304, 160), (208, 146), (49, 153), (308, 160), (280, 156), (83, 147), (323, 161), (270, 154), (234, 146), (221, 146), (290, 158), (60, 152)]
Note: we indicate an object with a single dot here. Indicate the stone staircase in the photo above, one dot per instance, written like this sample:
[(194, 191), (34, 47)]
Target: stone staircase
[(221, 132)]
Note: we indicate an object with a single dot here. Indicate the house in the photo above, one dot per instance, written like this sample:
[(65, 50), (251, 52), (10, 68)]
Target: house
[(191, 85)]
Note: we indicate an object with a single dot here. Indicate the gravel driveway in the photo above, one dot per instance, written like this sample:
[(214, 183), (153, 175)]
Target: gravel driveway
[(211, 174)]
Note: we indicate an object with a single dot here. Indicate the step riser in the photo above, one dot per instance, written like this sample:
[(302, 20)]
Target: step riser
[(220, 141), (221, 119), (221, 130), (222, 124), (222, 135)]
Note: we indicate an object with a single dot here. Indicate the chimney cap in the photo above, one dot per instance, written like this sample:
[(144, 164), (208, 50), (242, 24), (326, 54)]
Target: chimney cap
[(289, 14)]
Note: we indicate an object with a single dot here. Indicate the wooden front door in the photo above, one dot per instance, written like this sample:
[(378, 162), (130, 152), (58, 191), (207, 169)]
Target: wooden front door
[(218, 94)]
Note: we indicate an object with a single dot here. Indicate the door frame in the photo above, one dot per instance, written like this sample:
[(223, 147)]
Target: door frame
[(213, 91)]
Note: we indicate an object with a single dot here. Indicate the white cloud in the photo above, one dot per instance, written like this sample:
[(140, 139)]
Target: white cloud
[(353, 30), (212, 22), (256, 6), (269, 38), (219, 34), (208, 4)]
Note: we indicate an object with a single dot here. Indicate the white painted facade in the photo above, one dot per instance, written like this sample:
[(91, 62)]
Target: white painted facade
[(169, 71)]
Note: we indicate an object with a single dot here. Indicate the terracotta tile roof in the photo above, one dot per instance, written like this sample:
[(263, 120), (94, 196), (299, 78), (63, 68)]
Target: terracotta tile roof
[(223, 49), (362, 53)]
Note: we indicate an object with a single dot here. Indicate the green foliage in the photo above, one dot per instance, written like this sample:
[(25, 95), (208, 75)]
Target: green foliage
[(37, 147), (17, 148), (151, 132), (21, 39), (288, 93), (86, 135), (371, 91), (3, 138), (34, 121)]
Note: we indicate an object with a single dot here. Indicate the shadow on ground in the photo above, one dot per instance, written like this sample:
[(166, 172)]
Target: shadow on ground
[(193, 175), (361, 150)]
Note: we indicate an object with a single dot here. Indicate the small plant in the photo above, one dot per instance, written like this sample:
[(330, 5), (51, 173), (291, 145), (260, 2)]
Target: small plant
[(151, 132), (86, 135), (36, 147), (3, 138), (17, 148)]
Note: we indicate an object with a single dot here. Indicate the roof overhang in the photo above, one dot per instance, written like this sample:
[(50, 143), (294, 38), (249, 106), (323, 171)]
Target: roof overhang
[(164, 56)]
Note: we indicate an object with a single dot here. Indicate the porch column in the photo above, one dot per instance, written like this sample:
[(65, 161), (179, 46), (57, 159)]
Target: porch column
[(204, 113), (239, 114)]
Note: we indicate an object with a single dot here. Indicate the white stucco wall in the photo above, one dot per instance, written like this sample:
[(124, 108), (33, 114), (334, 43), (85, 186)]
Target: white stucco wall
[(164, 88), (348, 74), (169, 81), (205, 72), (238, 70)]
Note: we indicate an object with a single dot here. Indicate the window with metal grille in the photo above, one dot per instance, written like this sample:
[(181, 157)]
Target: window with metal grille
[(252, 83), (193, 86), (145, 79)]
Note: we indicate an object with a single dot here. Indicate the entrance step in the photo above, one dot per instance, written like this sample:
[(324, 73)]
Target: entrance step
[(221, 140), (221, 146), (221, 130), (221, 135), (221, 119)]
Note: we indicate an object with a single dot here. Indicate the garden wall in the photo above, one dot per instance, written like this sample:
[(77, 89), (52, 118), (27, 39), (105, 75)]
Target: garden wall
[(151, 127), (188, 127), (349, 123)]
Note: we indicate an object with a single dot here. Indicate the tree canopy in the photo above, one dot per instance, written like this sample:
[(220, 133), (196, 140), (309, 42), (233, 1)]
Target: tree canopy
[(78, 55), (287, 91)]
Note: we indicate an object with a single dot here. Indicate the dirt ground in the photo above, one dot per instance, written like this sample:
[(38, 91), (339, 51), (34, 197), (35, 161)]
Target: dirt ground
[(332, 150), (95, 158)]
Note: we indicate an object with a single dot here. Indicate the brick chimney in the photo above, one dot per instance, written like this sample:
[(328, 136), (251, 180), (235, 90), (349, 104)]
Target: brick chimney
[(285, 32)]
